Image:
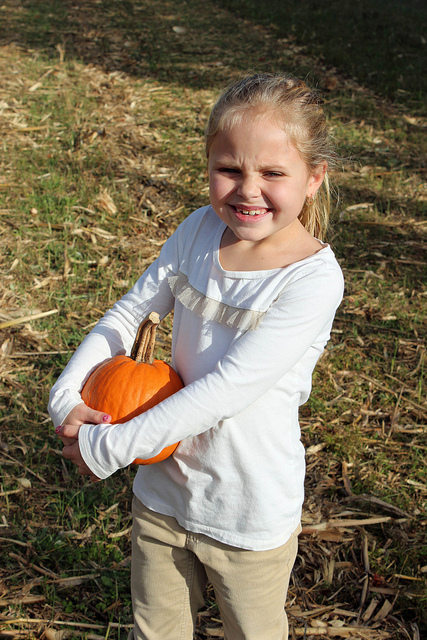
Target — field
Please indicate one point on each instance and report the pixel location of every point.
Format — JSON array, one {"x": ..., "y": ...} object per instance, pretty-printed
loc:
[{"x": 102, "y": 112}]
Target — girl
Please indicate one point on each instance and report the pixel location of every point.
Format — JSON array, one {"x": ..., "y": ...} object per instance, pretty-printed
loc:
[{"x": 254, "y": 292}]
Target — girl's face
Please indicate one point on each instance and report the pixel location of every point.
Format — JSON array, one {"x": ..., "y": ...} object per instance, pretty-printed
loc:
[{"x": 258, "y": 181}]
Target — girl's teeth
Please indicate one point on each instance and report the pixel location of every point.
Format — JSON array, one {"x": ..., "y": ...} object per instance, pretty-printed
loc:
[{"x": 251, "y": 213}]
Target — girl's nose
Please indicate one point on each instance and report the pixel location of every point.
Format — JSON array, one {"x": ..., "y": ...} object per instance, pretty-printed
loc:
[{"x": 249, "y": 187}]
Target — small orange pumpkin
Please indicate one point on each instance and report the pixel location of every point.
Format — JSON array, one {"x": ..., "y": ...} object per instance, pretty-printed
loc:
[{"x": 126, "y": 386}]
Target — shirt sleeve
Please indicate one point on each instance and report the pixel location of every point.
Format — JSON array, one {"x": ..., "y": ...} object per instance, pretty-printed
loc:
[
  {"x": 299, "y": 319},
  {"x": 115, "y": 332}
]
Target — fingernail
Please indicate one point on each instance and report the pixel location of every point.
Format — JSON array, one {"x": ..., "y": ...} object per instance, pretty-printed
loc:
[
  {"x": 106, "y": 418},
  {"x": 58, "y": 428}
]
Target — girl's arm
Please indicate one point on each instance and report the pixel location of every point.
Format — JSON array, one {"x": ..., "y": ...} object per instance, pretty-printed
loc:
[
  {"x": 115, "y": 332},
  {"x": 299, "y": 320}
]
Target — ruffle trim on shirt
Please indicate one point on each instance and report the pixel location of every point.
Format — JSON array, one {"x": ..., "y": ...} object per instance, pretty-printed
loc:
[{"x": 209, "y": 309}]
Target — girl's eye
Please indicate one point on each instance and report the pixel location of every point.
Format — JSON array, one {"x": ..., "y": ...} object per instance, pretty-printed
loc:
[{"x": 274, "y": 174}]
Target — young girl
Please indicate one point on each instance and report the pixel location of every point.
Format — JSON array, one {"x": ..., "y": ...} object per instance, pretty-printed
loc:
[{"x": 254, "y": 292}]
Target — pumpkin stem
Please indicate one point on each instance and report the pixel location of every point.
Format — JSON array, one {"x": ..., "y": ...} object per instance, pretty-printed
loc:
[{"x": 143, "y": 347}]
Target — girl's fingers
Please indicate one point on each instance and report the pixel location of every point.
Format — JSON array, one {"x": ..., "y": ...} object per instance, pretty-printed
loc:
[
  {"x": 82, "y": 414},
  {"x": 97, "y": 417},
  {"x": 68, "y": 431},
  {"x": 72, "y": 452},
  {"x": 67, "y": 441}
]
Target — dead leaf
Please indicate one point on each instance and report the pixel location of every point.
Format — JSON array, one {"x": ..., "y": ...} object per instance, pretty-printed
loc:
[
  {"x": 105, "y": 202},
  {"x": 24, "y": 482}
]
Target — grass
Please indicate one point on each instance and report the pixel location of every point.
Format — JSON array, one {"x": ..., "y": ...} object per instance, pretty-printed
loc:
[
  {"x": 102, "y": 111},
  {"x": 381, "y": 44}
]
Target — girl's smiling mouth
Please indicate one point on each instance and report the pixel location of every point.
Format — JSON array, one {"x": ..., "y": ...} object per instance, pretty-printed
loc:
[{"x": 249, "y": 213}]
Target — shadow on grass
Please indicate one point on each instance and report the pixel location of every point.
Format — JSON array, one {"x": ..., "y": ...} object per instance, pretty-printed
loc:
[
  {"x": 174, "y": 43},
  {"x": 382, "y": 43}
]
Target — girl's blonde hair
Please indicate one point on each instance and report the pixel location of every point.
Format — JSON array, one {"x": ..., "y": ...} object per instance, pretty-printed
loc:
[{"x": 299, "y": 110}]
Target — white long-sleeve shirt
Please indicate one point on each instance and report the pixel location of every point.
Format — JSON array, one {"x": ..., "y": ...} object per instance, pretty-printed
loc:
[{"x": 245, "y": 345}]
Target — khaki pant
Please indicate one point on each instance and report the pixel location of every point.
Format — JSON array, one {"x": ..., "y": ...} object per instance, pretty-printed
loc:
[{"x": 170, "y": 569}]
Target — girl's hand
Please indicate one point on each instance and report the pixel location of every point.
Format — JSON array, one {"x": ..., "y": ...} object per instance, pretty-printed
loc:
[
  {"x": 81, "y": 414},
  {"x": 72, "y": 452},
  {"x": 69, "y": 433}
]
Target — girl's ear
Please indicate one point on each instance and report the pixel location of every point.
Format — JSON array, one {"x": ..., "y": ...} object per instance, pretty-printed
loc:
[{"x": 316, "y": 178}]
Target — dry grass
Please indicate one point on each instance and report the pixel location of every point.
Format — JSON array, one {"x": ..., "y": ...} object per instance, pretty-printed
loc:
[{"x": 102, "y": 157}]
